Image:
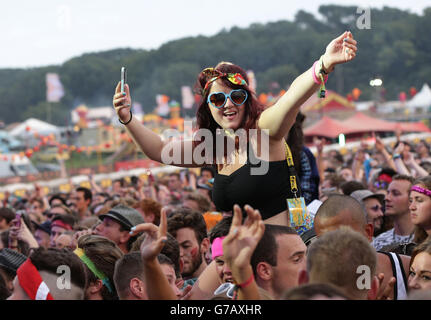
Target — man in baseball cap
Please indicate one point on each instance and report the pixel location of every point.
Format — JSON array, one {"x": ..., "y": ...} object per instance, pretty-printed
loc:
[
  {"x": 116, "y": 225},
  {"x": 373, "y": 204}
]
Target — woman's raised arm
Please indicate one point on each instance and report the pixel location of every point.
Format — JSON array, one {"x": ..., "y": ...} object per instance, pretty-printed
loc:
[
  {"x": 150, "y": 142},
  {"x": 279, "y": 118}
]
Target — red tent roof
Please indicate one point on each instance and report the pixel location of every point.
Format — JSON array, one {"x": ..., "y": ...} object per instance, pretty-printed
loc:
[
  {"x": 332, "y": 102},
  {"x": 413, "y": 126},
  {"x": 363, "y": 123},
  {"x": 327, "y": 127}
]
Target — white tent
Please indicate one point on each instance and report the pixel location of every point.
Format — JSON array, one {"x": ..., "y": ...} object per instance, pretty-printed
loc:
[
  {"x": 35, "y": 125},
  {"x": 422, "y": 99}
]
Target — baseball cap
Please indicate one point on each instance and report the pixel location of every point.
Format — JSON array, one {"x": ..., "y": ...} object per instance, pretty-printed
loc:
[
  {"x": 364, "y": 194},
  {"x": 45, "y": 226},
  {"x": 11, "y": 259},
  {"x": 124, "y": 215}
]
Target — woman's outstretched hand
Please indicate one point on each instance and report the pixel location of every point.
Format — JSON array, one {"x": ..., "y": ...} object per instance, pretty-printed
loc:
[
  {"x": 340, "y": 50},
  {"x": 122, "y": 102}
]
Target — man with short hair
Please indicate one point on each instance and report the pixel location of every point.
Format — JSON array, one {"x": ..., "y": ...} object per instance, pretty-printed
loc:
[
  {"x": 57, "y": 199},
  {"x": 278, "y": 259},
  {"x": 116, "y": 225},
  {"x": 342, "y": 210},
  {"x": 336, "y": 257},
  {"x": 59, "y": 209},
  {"x": 397, "y": 207},
  {"x": 174, "y": 182},
  {"x": 37, "y": 277},
  {"x": 198, "y": 202},
  {"x": 81, "y": 200},
  {"x": 372, "y": 203},
  {"x": 36, "y": 210},
  {"x": 129, "y": 277},
  {"x": 189, "y": 228}
]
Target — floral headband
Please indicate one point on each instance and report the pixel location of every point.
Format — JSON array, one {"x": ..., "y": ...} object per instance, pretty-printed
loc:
[{"x": 213, "y": 74}]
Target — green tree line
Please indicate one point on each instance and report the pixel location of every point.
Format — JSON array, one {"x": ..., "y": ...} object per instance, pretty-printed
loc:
[{"x": 396, "y": 48}]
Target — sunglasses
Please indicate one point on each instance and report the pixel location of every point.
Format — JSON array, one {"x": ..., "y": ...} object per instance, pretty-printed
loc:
[
  {"x": 381, "y": 184},
  {"x": 218, "y": 99},
  {"x": 376, "y": 208},
  {"x": 226, "y": 288}
]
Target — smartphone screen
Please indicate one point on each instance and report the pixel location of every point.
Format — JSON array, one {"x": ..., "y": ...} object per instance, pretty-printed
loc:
[{"x": 123, "y": 78}]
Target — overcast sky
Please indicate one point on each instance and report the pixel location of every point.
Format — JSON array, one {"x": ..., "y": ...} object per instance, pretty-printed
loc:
[{"x": 46, "y": 32}]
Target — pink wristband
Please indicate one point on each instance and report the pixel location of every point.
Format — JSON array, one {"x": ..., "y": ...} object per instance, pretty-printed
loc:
[{"x": 313, "y": 71}]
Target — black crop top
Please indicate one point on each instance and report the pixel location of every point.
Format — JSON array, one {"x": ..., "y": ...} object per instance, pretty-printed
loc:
[{"x": 267, "y": 192}]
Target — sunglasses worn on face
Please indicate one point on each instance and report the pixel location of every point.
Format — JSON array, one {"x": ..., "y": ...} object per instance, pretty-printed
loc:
[
  {"x": 218, "y": 99},
  {"x": 376, "y": 208}
]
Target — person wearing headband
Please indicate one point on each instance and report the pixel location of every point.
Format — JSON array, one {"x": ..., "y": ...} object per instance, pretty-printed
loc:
[
  {"x": 216, "y": 235},
  {"x": 228, "y": 103},
  {"x": 99, "y": 255},
  {"x": 420, "y": 208},
  {"x": 38, "y": 278},
  {"x": 60, "y": 224}
]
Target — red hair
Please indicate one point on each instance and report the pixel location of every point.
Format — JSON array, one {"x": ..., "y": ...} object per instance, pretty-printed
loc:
[{"x": 252, "y": 107}]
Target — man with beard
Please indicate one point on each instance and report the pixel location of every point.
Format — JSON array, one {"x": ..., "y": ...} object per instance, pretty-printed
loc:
[{"x": 189, "y": 228}]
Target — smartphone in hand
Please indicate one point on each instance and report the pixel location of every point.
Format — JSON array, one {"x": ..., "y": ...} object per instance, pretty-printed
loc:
[
  {"x": 18, "y": 219},
  {"x": 123, "y": 78}
]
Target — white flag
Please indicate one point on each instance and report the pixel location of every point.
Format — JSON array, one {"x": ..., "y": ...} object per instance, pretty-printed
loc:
[
  {"x": 187, "y": 96},
  {"x": 54, "y": 88},
  {"x": 162, "y": 105}
]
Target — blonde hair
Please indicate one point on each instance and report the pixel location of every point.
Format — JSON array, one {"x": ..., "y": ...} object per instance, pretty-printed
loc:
[{"x": 334, "y": 258}]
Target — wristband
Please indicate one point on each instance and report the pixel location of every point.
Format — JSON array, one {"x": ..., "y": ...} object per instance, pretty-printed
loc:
[
  {"x": 247, "y": 283},
  {"x": 323, "y": 79},
  {"x": 396, "y": 156},
  {"x": 322, "y": 67},
  {"x": 127, "y": 121}
]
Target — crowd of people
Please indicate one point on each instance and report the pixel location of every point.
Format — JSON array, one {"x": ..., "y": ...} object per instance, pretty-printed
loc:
[{"x": 350, "y": 226}]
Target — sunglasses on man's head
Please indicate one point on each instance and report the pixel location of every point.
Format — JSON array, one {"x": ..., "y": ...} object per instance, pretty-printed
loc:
[{"x": 218, "y": 99}]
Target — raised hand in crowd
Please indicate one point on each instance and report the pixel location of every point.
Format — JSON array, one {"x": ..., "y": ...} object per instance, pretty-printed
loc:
[
  {"x": 238, "y": 247},
  {"x": 380, "y": 147},
  {"x": 158, "y": 287},
  {"x": 410, "y": 162},
  {"x": 385, "y": 292},
  {"x": 20, "y": 231}
]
